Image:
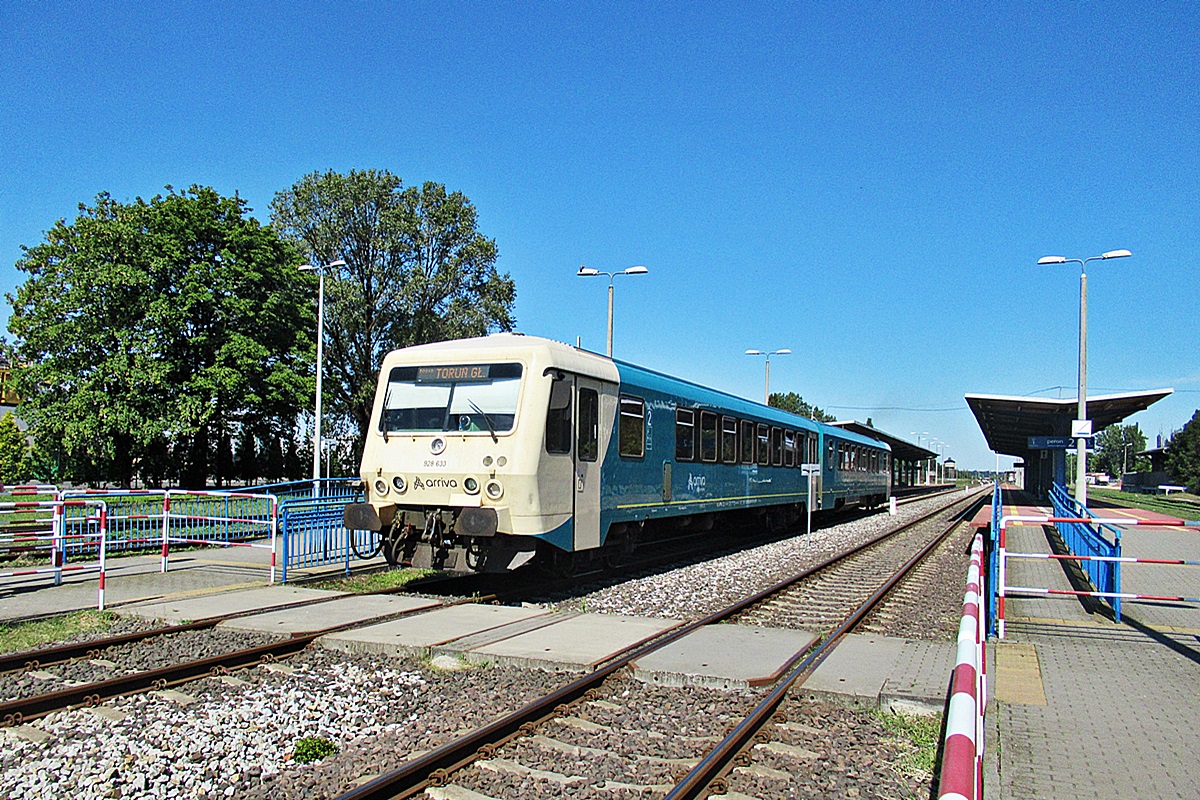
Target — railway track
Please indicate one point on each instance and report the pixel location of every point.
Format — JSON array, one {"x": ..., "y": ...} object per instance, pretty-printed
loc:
[{"x": 537, "y": 750}]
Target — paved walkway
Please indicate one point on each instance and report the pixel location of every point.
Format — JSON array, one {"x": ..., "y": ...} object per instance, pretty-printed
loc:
[
  {"x": 139, "y": 579},
  {"x": 1083, "y": 707}
]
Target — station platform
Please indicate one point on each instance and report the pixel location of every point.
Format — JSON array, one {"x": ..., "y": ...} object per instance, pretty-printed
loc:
[{"x": 1081, "y": 706}]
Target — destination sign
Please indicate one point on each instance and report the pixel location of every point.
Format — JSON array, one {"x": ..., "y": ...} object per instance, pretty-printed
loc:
[{"x": 471, "y": 372}]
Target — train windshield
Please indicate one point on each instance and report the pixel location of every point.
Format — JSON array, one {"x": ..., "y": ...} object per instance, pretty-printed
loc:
[{"x": 462, "y": 397}]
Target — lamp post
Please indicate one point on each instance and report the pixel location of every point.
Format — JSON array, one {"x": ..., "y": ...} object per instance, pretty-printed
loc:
[
  {"x": 924, "y": 461},
  {"x": 1081, "y": 441},
  {"x": 587, "y": 272},
  {"x": 320, "y": 270},
  {"x": 768, "y": 354}
]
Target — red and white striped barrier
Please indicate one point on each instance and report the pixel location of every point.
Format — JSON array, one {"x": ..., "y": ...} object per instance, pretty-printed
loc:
[
  {"x": 962, "y": 754},
  {"x": 1003, "y": 590},
  {"x": 58, "y": 539}
]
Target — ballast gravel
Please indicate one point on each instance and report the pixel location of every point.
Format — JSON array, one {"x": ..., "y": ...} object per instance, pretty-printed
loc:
[
  {"x": 699, "y": 589},
  {"x": 236, "y": 739}
]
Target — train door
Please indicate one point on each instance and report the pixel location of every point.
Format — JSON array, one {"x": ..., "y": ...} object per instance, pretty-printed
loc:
[{"x": 588, "y": 459}]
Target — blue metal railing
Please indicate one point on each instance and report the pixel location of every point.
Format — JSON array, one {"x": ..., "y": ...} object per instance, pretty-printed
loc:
[
  {"x": 993, "y": 557},
  {"x": 311, "y": 530},
  {"x": 1085, "y": 539}
]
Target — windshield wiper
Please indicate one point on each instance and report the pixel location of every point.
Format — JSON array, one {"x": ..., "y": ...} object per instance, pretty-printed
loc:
[{"x": 486, "y": 418}]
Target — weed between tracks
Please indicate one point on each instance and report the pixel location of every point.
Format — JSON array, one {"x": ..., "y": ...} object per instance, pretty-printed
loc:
[
  {"x": 374, "y": 581},
  {"x": 28, "y": 635},
  {"x": 921, "y": 734}
]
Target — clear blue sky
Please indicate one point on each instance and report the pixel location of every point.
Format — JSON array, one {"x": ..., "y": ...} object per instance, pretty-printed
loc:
[{"x": 868, "y": 184}]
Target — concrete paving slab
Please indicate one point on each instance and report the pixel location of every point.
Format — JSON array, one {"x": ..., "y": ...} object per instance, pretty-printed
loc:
[
  {"x": 724, "y": 657},
  {"x": 417, "y": 635},
  {"x": 341, "y": 611},
  {"x": 919, "y": 682},
  {"x": 187, "y": 609},
  {"x": 856, "y": 671},
  {"x": 576, "y": 644}
]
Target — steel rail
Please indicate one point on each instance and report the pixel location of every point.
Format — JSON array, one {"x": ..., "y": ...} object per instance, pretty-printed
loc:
[
  {"x": 434, "y": 767},
  {"x": 91, "y": 694},
  {"x": 708, "y": 773},
  {"x": 15, "y": 712}
]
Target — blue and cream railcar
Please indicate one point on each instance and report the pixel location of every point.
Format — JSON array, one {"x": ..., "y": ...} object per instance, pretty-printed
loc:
[{"x": 484, "y": 452}]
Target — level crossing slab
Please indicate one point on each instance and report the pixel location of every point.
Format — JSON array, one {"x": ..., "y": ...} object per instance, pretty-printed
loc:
[
  {"x": 724, "y": 656},
  {"x": 574, "y": 643},
  {"x": 419, "y": 634},
  {"x": 884, "y": 672},
  {"x": 340, "y": 611},
  {"x": 189, "y": 609}
]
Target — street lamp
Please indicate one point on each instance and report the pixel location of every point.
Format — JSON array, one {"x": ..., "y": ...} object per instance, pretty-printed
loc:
[
  {"x": 320, "y": 270},
  {"x": 768, "y": 354},
  {"x": 587, "y": 272},
  {"x": 1081, "y": 449}
]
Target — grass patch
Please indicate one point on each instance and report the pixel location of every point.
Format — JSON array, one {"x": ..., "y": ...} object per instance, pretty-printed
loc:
[
  {"x": 922, "y": 736},
  {"x": 313, "y": 748},
  {"x": 27, "y": 635},
  {"x": 374, "y": 581}
]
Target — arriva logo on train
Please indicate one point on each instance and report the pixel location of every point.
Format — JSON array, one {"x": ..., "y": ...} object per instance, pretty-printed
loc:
[{"x": 435, "y": 483}]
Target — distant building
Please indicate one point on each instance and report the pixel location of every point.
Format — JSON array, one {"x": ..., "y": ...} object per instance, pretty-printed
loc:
[{"x": 949, "y": 469}]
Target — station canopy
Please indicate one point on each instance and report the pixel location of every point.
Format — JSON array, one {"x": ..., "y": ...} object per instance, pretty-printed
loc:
[
  {"x": 1009, "y": 422},
  {"x": 901, "y": 450}
]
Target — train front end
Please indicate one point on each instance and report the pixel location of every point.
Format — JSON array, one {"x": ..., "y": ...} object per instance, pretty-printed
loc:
[{"x": 451, "y": 464}]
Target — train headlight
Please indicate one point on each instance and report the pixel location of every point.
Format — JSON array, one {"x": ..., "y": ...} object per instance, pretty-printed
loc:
[
  {"x": 494, "y": 490},
  {"x": 381, "y": 487},
  {"x": 399, "y": 483},
  {"x": 471, "y": 486}
]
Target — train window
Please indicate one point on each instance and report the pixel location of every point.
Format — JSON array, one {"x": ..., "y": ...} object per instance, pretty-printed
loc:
[
  {"x": 685, "y": 434},
  {"x": 708, "y": 436},
  {"x": 789, "y": 448},
  {"x": 814, "y": 449},
  {"x": 589, "y": 425},
  {"x": 558, "y": 418},
  {"x": 764, "y": 445},
  {"x": 830, "y": 458},
  {"x": 887, "y": 457},
  {"x": 777, "y": 447},
  {"x": 729, "y": 442},
  {"x": 747, "y": 442},
  {"x": 632, "y": 429},
  {"x": 463, "y": 397},
  {"x": 874, "y": 461}
]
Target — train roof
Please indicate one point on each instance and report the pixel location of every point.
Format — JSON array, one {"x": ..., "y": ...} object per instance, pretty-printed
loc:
[
  {"x": 543, "y": 353},
  {"x": 539, "y": 352},
  {"x": 714, "y": 398}
]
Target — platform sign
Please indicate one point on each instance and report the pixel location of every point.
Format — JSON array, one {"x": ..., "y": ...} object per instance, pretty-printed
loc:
[
  {"x": 1081, "y": 428},
  {"x": 1054, "y": 442},
  {"x": 810, "y": 469}
]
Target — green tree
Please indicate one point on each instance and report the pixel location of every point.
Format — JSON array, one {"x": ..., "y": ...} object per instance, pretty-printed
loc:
[
  {"x": 417, "y": 270},
  {"x": 148, "y": 332},
  {"x": 1183, "y": 455},
  {"x": 14, "y": 452},
  {"x": 1117, "y": 447},
  {"x": 795, "y": 403}
]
